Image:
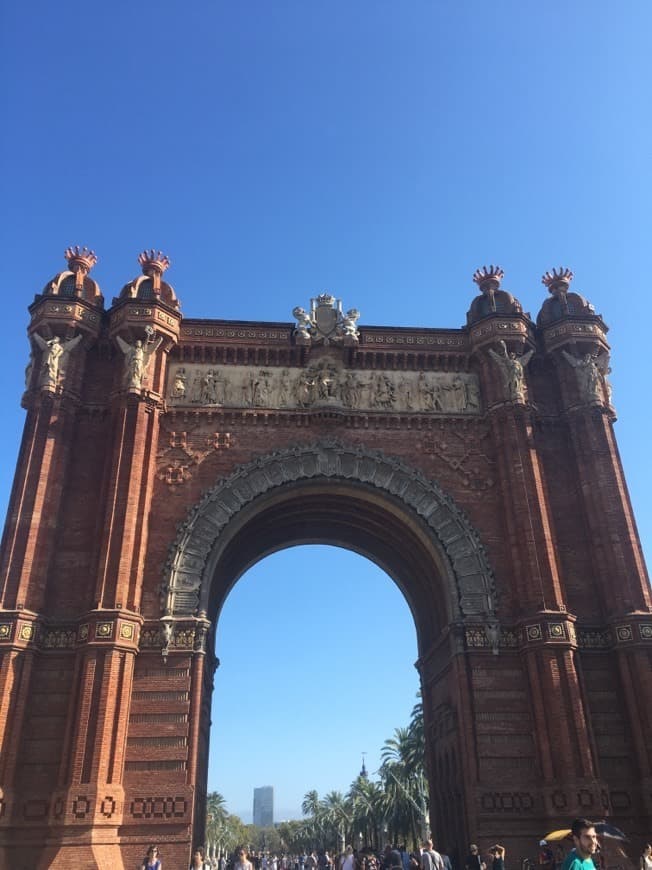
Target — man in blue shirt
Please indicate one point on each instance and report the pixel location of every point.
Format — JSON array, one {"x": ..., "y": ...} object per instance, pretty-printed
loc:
[{"x": 586, "y": 844}]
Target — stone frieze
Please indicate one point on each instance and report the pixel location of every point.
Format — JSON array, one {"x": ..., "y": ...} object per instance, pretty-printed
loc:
[{"x": 322, "y": 384}]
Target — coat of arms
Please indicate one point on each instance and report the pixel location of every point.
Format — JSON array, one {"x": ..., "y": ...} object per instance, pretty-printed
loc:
[{"x": 326, "y": 322}]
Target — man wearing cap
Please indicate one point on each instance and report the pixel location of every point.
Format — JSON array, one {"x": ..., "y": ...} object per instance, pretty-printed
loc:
[{"x": 585, "y": 841}]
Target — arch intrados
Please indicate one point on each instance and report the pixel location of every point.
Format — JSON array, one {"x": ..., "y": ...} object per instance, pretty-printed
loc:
[{"x": 339, "y": 513}]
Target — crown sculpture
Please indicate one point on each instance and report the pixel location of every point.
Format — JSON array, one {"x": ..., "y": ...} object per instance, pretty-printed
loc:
[
  {"x": 488, "y": 279},
  {"x": 80, "y": 262},
  {"x": 154, "y": 263},
  {"x": 557, "y": 281}
]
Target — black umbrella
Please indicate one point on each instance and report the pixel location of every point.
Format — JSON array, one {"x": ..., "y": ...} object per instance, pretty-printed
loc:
[{"x": 606, "y": 830}]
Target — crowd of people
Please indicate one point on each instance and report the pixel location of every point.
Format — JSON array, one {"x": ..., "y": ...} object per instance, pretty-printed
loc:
[{"x": 585, "y": 855}]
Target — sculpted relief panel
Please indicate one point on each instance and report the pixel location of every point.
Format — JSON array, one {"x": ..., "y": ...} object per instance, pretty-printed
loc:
[{"x": 323, "y": 384}]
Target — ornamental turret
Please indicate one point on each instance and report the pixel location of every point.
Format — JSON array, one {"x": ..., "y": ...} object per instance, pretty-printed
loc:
[
  {"x": 574, "y": 336},
  {"x": 145, "y": 316},
  {"x": 69, "y": 309},
  {"x": 502, "y": 337}
]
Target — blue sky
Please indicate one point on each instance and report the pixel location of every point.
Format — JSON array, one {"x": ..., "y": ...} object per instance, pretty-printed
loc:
[{"x": 379, "y": 150}]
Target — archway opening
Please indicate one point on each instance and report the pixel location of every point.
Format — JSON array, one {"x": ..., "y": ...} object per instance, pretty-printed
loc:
[
  {"x": 378, "y": 507},
  {"x": 317, "y": 648}
]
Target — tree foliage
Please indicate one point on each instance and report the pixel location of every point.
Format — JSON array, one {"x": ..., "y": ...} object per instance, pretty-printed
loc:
[{"x": 393, "y": 807}]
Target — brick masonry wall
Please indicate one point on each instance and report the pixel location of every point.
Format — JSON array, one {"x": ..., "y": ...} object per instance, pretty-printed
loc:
[{"x": 117, "y": 742}]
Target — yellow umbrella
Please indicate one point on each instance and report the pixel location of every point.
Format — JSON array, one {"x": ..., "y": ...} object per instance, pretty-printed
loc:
[{"x": 558, "y": 835}]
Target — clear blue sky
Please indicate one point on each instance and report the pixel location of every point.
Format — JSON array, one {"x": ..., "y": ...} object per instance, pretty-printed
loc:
[{"x": 380, "y": 150}]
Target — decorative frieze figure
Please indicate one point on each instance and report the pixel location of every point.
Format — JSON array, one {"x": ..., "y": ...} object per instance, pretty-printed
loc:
[
  {"x": 512, "y": 370},
  {"x": 53, "y": 353}
]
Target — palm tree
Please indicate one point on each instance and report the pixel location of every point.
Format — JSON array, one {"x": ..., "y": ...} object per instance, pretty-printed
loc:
[
  {"x": 338, "y": 815},
  {"x": 216, "y": 818},
  {"x": 312, "y": 807},
  {"x": 310, "y": 803},
  {"x": 368, "y": 810},
  {"x": 403, "y": 773}
]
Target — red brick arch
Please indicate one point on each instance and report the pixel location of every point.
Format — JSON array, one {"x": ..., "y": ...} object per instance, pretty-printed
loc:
[
  {"x": 321, "y": 476},
  {"x": 530, "y": 720}
]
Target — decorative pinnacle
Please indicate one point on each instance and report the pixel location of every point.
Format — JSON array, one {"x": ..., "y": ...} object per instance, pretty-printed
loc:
[
  {"x": 557, "y": 281},
  {"x": 80, "y": 259},
  {"x": 153, "y": 262},
  {"x": 488, "y": 279}
]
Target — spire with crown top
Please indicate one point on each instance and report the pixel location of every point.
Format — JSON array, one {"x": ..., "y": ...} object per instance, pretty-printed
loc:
[{"x": 153, "y": 264}]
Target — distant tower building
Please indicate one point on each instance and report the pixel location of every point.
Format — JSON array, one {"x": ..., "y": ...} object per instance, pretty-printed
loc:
[{"x": 264, "y": 806}]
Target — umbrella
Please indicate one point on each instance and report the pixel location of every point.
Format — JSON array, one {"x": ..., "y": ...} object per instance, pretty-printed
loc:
[
  {"x": 609, "y": 831},
  {"x": 553, "y": 836}
]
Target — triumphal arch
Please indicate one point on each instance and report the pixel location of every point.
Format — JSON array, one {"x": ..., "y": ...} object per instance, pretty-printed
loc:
[{"x": 163, "y": 456}]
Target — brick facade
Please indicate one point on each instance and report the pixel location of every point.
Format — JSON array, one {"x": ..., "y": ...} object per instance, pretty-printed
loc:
[{"x": 151, "y": 475}]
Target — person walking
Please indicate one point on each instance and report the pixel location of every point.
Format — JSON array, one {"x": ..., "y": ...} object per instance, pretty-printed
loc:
[
  {"x": 646, "y": 858},
  {"x": 152, "y": 860},
  {"x": 198, "y": 862},
  {"x": 241, "y": 862},
  {"x": 585, "y": 841}
]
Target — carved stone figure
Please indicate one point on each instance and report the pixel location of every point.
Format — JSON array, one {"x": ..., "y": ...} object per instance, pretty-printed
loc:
[
  {"x": 326, "y": 377},
  {"x": 304, "y": 323},
  {"x": 350, "y": 391},
  {"x": 405, "y": 390},
  {"x": 264, "y": 390},
  {"x": 137, "y": 360},
  {"x": 28, "y": 371},
  {"x": 458, "y": 394},
  {"x": 422, "y": 393},
  {"x": 349, "y": 326},
  {"x": 179, "y": 384},
  {"x": 512, "y": 369},
  {"x": 492, "y": 629},
  {"x": 221, "y": 386},
  {"x": 283, "y": 392},
  {"x": 591, "y": 371},
  {"x": 384, "y": 395},
  {"x": 52, "y": 358},
  {"x": 305, "y": 390},
  {"x": 206, "y": 393},
  {"x": 472, "y": 395},
  {"x": 326, "y": 322}
]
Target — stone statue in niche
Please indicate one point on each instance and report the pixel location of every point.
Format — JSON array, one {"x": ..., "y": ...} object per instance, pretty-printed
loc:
[
  {"x": 591, "y": 372},
  {"x": 512, "y": 369},
  {"x": 53, "y": 358},
  {"x": 137, "y": 357}
]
